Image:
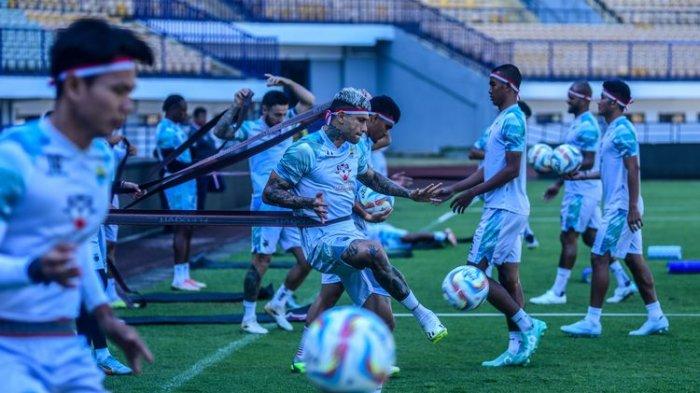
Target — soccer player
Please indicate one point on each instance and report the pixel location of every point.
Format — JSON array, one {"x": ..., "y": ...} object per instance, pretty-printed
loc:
[
  {"x": 497, "y": 239},
  {"x": 317, "y": 176},
  {"x": 203, "y": 148},
  {"x": 54, "y": 194},
  {"x": 620, "y": 234},
  {"x": 580, "y": 207},
  {"x": 476, "y": 152},
  {"x": 275, "y": 109}
]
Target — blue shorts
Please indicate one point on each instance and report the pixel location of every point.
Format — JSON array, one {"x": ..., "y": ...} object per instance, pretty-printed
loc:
[
  {"x": 48, "y": 364},
  {"x": 182, "y": 196}
]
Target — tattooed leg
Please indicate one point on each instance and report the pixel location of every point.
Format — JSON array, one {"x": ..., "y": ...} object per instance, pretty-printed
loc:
[
  {"x": 369, "y": 254},
  {"x": 251, "y": 282}
]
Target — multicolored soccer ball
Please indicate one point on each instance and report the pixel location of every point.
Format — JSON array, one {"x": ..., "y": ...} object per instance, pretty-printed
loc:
[
  {"x": 566, "y": 159},
  {"x": 539, "y": 156},
  {"x": 348, "y": 349},
  {"x": 374, "y": 202},
  {"x": 465, "y": 287}
]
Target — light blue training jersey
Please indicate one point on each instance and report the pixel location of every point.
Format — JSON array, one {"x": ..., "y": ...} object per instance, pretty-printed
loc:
[
  {"x": 618, "y": 143},
  {"x": 51, "y": 192},
  {"x": 262, "y": 164},
  {"x": 506, "y": 134},
  {"x": 584, "y": 133},
  {"x": 170, "y": 135},
  {"x": 314, "y": 164}
]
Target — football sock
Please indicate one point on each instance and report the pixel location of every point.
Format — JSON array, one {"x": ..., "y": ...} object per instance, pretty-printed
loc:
[
  {"x": 249, "y": 311},
  {"x": 523, "y": 320},
  {"x": 418, "y": 311},
  {"x": 593, "y": 314},
  {"x": 514, "y": 340},
  {"x": 621, "y": 276},
  {"x": 179, "y": 273},
  {"x": 281, "y": 296},
  {"x": 654, "y": 310},
  {"x": 111, "y": 290},
  {"x": 300, "y": 350},
  {"x": 186, "y": 270},
  {"x": 560, "y": 281}
]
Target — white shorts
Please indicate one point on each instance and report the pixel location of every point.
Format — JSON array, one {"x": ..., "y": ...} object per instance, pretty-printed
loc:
[
  {"x": 48, "y": 364},
  {"x": 183, "y": 196},
  {"x": 329, "y": 278},
  {"x": 264, "y": 240},
  {"x": 97, "y": 249},
  {"x": 615, "y": 236},
  {"x": 111, "y": 233},
  {"x": 324, "y": 247},
  {"x": 579, "y": 212},
  {"x": 498, "y": 237}
]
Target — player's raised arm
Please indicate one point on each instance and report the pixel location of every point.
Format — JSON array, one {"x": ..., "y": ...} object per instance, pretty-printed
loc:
[
  {"x": 223, "y": 129},
  {"x": 306, "y": 98}
]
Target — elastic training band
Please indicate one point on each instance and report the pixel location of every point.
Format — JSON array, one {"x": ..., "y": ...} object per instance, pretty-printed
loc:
[
  {"x": 505, "y": 80},
  {"x": 83, "y": 71},
  {"x": 579, "y": 95},
  {"x": 624, "y": 105}
]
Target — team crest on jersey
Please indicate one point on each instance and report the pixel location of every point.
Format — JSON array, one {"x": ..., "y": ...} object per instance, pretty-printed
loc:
[
  {"x": 55, "y": 162},
  {"x": 101, "y": 174},
  {"x": 344, "y": 171},
  {"x": 79, "y": 208}
]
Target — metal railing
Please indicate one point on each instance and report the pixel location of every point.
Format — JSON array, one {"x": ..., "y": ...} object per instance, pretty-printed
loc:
[{"x": 647, "y": 133}]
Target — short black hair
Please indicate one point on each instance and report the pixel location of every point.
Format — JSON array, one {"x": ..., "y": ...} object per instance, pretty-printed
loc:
[
  {"x": 274, "y": 97},
  {"x": 510, "y": 72},
  {"x": 619, "y": 89},
  {"x": 525, "y": 108},
  {"x": 386, "y": 106},
  {"x": 171, "y": 101},
  {"x": 582, "y": 87},
  {"x": 198, "y": 111},
  {"x": 94, "y": 41}
]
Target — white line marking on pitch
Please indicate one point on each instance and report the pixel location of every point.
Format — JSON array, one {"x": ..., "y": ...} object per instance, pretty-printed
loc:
[
  {"x": 553, "y": 314},
  {"x": 204, "y": 363}
]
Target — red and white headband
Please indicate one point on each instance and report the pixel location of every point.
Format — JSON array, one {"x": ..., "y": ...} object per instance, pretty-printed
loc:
[
  {"x": 624, "y": 105},
  {"x": 385, "y": 118},
  {"x": 87, "y": 70},
  {"x": 506, "y": 81},
  {"x": 579, "y": 95},
  {"x": 350, "y": 111}
]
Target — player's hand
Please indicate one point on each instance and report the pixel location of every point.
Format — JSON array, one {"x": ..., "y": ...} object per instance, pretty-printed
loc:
[
  {"x": 58, "y": 265},
  {"x": 634, "y": 219},
  {"x": 378, "y": 217},
  {"x": 133, "y": 150},
  {"x": 320, "y": 208},
  {"x": 575, "y": 175},
  {"x": 114, "y": 139},
  {"x": 274, "y": 80},
  {"x": 551, "y": 192},
  {"x": 401, "y": 179},
  {"x": 462, "y": 201},
  {"x": 134, "y": 189},
  {"x": 443, "y": 194},
  {"x": 241, "y": 96},
  {"x": 426, "y": 194},
  {"x": 125, "y": 337}
]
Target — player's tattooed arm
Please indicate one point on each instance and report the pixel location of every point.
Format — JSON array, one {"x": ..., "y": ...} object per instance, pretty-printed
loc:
[
  {"x": 386, "y": 186},
  {"x": 278, "y": 192},
  {"x": 223, "y": 128}
]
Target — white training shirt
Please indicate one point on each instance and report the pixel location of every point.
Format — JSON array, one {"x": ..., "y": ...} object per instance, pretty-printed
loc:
[
  {"x": 618, "y": 143},
  {"x": 51, "y": 192},
  {"x": 584, "y": 133}
]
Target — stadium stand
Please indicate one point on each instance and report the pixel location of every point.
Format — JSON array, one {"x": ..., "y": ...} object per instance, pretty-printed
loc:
[
  {"x": 656, "y": 11},
  {"x": 483, "y": 11}
]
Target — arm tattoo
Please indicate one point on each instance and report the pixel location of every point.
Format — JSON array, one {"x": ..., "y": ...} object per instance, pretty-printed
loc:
[
  {"x": 277, "y": 193},
  {"x": 223, "y": 129},
  {"x": 382, "y": 184}
]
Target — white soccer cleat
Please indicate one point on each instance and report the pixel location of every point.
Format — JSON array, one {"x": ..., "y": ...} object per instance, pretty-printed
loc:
[
  {"x": 583, "y": 328},
  {"x": 622, "y": 293},
  {"x": 433, "y": 328},
  {"x": 531, "y": 243},
  {"x": 280, "y": 316},
  {"x": 657, "y": 326},
  {"x": 184, "y": 286},
  {"x": 196, "y": 283},
  {"x": 253, "y": 327},
  {"x": 549, "y": 297}
]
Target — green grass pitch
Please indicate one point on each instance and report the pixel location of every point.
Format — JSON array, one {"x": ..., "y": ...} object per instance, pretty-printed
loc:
[{"x": 221, "y": 359}]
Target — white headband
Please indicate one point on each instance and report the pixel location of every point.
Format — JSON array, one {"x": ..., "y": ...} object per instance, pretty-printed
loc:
[
  {"x": 579, "y": 95},
  {"x": 329, "y": 114},
  {"x": 506, "y": 81},
  {"x": 119, "y": 64},
  {"x": 624, "y": 105},
  {"x": 385, "y": 118}
]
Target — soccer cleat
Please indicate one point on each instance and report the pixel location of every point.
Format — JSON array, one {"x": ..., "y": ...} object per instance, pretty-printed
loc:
[
  {"x": 531, "y": 338},
  {"x": 433, "y": 328},
  {"x": 253, "y": 327},
  {"x": 622, "y": 293},
  {"x": 549, "y": 297},
  {"x": 531, "y": 242},
  {"x": 508, "y": 359},
  {"x": 111, "y": 366},
  {"x": 118, "y": 304},
  {"x": 184, "y": 286},
  {"x": 292, "y": 303},
  {"x": 658, "y": 326},
  {"x": 298, "y": 367},
  {"x": 450, "y": 237},
  {"x": 278, "y": 313},
  {"x": 196, "y": 283},
  {"x": 394, "y": 372},
  {"x": 583, "y": 328}
]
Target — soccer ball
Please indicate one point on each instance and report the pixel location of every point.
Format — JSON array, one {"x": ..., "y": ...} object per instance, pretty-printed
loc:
[
  {"x": 348, "y": 349},
  {"x": 566, "y": 159},
  {"x": 465, "y": 287},
  {"x": 539, "y": 157},
  {"x": 374, "y": 202}
]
